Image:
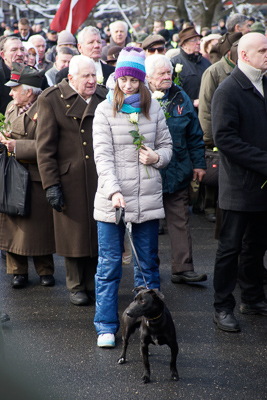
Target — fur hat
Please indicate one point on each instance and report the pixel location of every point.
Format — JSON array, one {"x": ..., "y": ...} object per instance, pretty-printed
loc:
[{"x": 131, "y": 62}]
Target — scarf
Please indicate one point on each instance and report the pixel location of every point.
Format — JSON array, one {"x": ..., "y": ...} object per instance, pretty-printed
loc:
[{"x": 131, "y": 104}]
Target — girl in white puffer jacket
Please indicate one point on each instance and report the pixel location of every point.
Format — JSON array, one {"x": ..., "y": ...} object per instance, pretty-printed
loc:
[{"x": 127, "y": 178}]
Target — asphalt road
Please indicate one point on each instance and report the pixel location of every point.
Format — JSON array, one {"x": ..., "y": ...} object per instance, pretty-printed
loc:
[{"x": 50, "y": 344}]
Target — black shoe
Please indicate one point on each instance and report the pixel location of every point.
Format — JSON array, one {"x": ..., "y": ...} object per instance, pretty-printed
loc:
[
  {"x": 4, "y": 317},
  {"x": 19, "y": 280},
  {"x": 188, "y": 276},
  {"x": 211, "y": 217},
  {"x": 79, "y": 298},
  {"x": 258, "y": 308},
  {"x": 226, "y": 321},
  {"x": 91, "y": 295},
  {"x": 47, "y": 280}
]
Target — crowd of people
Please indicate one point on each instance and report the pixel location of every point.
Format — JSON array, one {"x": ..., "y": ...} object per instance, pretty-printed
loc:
[{"x": 107, "y": 120}]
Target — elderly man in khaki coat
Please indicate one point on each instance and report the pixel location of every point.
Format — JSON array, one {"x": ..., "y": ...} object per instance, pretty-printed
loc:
[
  {"x": 32, "y": 235},
  {"x": 68, "y": 173}
]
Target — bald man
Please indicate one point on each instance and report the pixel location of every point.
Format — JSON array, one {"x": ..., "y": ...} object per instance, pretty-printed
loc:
[{"x": 239, "y": 125}]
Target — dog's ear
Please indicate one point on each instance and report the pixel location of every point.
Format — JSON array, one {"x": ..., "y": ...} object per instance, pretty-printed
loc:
[{"x": 138, "y": 289}]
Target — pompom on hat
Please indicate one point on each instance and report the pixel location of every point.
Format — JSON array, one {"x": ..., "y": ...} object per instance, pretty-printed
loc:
[{"x": 131, "y": 62}]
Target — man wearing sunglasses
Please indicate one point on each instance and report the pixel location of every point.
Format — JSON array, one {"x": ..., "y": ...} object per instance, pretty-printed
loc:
[
  {"x": 154, "y": 44},
  {"x": 193, "y": 63}
]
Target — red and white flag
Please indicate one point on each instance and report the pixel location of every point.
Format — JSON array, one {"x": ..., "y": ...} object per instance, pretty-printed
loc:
[{"x": 71, "y": 14}]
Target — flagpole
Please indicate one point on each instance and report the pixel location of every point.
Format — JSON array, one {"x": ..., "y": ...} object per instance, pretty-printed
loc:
[{"x": 124, "y": 16}]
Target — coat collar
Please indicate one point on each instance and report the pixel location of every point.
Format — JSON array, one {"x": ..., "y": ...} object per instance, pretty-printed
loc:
[
  {"x": 77, "y": 106},
  {"x": 246, "y": 83}
]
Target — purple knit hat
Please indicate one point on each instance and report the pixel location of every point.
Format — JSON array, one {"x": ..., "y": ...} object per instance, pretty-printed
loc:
[{"x": 131, "y": 62}]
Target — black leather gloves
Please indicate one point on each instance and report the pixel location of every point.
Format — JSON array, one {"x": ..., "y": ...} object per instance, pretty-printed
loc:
[{"x": 54, "y": 197}]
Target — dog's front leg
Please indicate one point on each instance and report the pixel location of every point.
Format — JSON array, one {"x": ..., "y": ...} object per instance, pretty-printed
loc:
[
  {"x": 144, "y": 351},
  {"x": 174, "y": 352}
]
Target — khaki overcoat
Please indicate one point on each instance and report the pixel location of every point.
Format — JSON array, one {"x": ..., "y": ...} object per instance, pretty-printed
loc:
[
  {"x": 32, "y": 235},
  {"x": 65, "y": 156}
]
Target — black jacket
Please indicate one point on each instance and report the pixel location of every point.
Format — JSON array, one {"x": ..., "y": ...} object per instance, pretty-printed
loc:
[
  {"x": 190, "y": 76},
  {"x": 4, "y": 90},
  {"x": 106, "y": 69},
  {"x": 239, "y": 126}
]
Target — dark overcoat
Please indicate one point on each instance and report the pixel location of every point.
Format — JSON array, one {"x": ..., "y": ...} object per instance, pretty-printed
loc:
[
  {"x": 65, "y": 156},
  {"x": 239, "y": 126},
  {"x": 32, "y": 235}
]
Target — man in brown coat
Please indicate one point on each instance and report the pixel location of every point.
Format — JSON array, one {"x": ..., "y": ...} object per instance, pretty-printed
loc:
[
  {"x": 32, "y": 235},
  {"x": 68, "y": 172}
]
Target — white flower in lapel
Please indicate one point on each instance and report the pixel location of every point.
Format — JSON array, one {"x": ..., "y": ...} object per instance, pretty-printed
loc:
[{"x": 100, "y": 79}]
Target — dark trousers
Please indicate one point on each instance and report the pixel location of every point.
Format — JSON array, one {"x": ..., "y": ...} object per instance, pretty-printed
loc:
[
  {"x": 17, "y": 264},
  {"x": 242, "y": 234},
  {"x": 80, "y": 273},
  {"x": 177, "y": 219}
]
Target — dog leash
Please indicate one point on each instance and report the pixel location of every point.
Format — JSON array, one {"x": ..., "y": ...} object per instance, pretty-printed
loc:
[{"x": 120, "y": 216}]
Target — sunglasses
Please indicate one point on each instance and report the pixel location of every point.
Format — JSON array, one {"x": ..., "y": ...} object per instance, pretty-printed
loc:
[{"x": 152, "y": 50}]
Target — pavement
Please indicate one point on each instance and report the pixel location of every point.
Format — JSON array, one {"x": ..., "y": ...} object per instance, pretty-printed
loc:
[{"x": 51, "y": 353}]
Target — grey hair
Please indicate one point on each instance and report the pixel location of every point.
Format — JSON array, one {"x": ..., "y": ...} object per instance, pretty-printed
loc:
[
  {"x": 31, "y": 38},
  {"x": 65, "y": 50},
  {"x": 112, "y": 26},
  {"x": 156, "y": 61},
  {"x": 76, "y": 62},
  {"x": 235, "y": 19},
  {"x": 9, "y": 39},
  {"x": 36, "y": 91},
  {"x": 88, "y": 30}
]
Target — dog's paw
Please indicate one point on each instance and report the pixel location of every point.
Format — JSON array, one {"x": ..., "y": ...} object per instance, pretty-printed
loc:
[
  {"x": 174, "y": 376},
  {"x": 121, "y": 360},
  {"x": 145, "y": 378}
]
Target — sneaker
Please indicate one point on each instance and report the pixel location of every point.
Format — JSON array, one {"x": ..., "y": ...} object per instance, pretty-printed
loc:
[{"x": 106, "y": 340}]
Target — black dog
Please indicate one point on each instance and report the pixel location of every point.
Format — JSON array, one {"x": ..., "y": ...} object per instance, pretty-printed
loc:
[{"x": 149, "y": 312}]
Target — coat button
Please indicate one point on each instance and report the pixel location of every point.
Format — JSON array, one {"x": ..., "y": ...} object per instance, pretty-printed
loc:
[
  {"x": 82, "y": 130},
  {"x": 84, "y": 143},
  {"x": 68, "y": 106},
  {"x": 74, "y": 118},
  {"x": 61, "y": 96},
  {"x": 86, "y": 157},
  {"x": 26, "y": 133}
]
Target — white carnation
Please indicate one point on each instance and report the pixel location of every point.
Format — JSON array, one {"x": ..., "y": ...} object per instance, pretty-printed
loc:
[{"x": 100, "y": 79}]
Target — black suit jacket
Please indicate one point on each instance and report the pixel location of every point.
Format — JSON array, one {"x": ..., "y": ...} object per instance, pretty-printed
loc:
[{"x": 106, "y": 69}]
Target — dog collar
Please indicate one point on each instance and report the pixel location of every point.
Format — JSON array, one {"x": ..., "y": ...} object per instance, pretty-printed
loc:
[{"x": 151, "y": 319}]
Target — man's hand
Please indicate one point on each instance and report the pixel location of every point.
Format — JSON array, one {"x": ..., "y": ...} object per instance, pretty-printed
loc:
[
  {"x": 54, "y": 197},
  {"x": 147, "y": 156},
  {"x": 198, "y": 173},
  {"x": 118, "y": 200}
]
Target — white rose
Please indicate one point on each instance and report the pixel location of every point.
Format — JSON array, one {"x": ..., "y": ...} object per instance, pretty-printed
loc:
[
  {"x": 133, "y": 118},
  {"x": 178, "y": 68},
  {"x": 157, "y": 95},
  {"x": 100, "y": 79}
]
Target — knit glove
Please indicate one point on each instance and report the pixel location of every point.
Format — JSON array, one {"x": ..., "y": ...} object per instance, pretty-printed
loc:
[{"x": 54, "y": 197}]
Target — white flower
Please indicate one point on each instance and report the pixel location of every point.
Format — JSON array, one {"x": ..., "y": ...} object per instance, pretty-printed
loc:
[
  {"x": 157, "y": 95},
  {"x": 178, "y": 68},
  {"x": 100, "y": 79},
  {"x": 133, "y": 118}
]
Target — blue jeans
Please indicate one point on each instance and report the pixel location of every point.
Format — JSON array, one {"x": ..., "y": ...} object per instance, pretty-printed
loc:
[{"x": 109, "y": 269}]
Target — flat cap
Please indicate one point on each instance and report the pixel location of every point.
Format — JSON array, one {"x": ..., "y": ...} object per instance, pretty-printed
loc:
[{"x": 152, "y": 40}]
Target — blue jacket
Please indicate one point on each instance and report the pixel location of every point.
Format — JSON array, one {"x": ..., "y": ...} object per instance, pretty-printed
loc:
[{"x": 188, "y": 144}]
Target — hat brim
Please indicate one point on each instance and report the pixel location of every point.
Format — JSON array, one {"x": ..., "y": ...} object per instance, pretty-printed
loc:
[
  {"x": 190, "y": 37},
  {"x": 12, "y": 84}
]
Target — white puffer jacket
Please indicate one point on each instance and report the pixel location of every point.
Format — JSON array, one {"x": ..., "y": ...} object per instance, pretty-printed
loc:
[{"x": 118, "y": 166}]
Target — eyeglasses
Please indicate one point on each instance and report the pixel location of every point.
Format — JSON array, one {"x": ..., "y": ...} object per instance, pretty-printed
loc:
[
  {"x": 152, "y": 50},
  {"x": 197, "y": 39}
]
